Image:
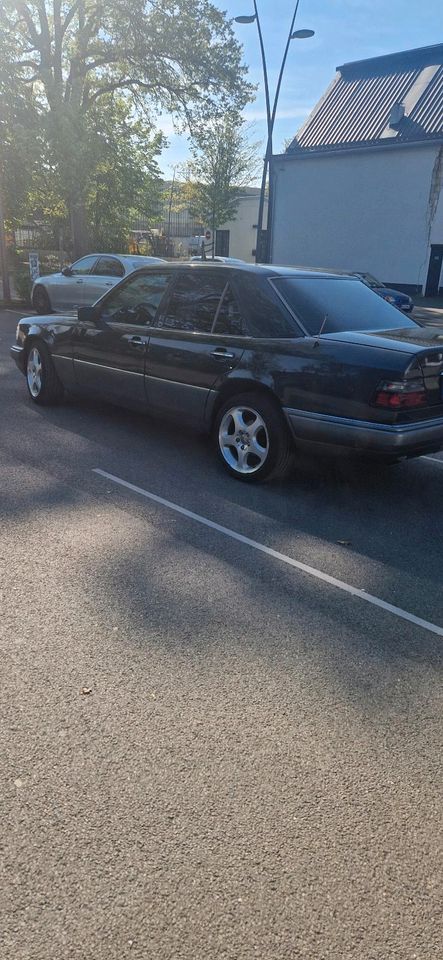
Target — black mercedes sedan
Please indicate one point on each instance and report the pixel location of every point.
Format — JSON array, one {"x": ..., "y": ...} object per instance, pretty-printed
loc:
[{"x": 260, "y": 357}]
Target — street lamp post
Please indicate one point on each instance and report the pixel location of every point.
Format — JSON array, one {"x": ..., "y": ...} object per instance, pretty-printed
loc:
[{"x": 262, "y": 249}]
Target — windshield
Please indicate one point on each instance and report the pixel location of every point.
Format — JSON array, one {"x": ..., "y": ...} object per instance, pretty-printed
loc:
[{"x": 338, "y": 304}]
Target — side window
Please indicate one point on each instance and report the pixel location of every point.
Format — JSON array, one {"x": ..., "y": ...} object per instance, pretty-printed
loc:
[
  {"x": 194, "y": 301},
  {"x": 229, "y": 320},
  {"x": 136, "y": 301},
  {"x": 108, "y": 267},
  {"x": 267, "y": 317},
  {"x": 85, "y": 265}
]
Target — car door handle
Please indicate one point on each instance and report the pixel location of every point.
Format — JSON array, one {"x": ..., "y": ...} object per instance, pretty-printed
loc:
[
  {"x": 221, "y": 354},
  {"x": 136, "y": 342},
  {"x": 79, "y": 281},
  {"x": 109, "y": 284}
]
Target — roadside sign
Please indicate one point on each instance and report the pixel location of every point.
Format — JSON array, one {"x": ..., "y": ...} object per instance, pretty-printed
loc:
[
  {"x": 34, "y": 266},
  {"x": 208, "y": 235}
]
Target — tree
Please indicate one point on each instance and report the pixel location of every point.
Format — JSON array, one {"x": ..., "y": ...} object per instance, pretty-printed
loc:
[
  {"x": 223, "y": 163},
  {"x": 180, "y": 56},
  {"x": 18, "y": 130},
  {"x": 125, "y": 179}
]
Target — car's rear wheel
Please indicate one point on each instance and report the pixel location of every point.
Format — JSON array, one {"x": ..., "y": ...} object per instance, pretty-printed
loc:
[
  {"x": 41, "y": 301},
  {"x": 43, "y": 383},
  {"x": 252, "y": 439}
]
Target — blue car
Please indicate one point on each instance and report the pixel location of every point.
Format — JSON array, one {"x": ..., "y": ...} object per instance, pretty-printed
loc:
[{"x": 398, "y": 299}]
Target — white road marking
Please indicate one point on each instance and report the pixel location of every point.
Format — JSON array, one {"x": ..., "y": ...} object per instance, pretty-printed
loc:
[
  {"x": 434, "y": 460},
  {"x": 303, "y": 567}
]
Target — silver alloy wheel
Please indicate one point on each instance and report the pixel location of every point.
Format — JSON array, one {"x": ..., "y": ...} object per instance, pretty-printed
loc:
[
  {"x": 34, "y": 372},
  {"x": 243, "y": 439}
]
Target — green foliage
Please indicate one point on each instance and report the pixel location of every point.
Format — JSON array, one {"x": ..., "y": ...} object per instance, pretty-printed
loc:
[
  {"x": 125, "y": 178},
  {"x": 23, "y": 284},
  {"x": 223, "y": 163},
  {"x": 70, "y": 65},
  {"x": 17, "y": 133}
]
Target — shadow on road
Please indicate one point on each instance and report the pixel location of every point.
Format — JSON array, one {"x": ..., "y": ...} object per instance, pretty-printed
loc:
[{"x": 178, "y": 598}]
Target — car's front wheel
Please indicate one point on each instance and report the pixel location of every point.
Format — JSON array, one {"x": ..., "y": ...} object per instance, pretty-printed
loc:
[
  {"x": 41, "y": 377},
  {"x": 40, "y": 300},
  {"x": 252, "y": 439}
]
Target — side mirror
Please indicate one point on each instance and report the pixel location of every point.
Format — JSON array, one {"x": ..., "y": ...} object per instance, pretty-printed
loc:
[
  {"x": 88, "y": 315},
  {"x": 67, "y": 272}
]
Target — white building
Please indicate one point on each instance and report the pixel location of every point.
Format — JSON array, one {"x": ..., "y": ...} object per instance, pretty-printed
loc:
[
  {"x": 360, "y": 187},
  {"x": 239, "y": 237}
]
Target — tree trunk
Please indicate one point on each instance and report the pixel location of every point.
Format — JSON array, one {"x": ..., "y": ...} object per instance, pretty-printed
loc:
[{"x": 79, "y": 228}]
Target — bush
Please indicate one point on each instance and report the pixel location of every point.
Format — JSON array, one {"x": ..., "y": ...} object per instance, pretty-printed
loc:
[{"x": 23, "y": 285}]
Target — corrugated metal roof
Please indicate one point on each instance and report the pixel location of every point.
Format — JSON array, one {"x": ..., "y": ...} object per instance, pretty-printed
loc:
[
  {"x": 428, "y": 112},
  {"x": 356, "y": 109}
]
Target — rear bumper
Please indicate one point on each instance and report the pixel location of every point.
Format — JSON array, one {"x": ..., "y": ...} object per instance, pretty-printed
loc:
[
  {"x": 18, "y": 354},
  {"x": 363, "y": 435}
]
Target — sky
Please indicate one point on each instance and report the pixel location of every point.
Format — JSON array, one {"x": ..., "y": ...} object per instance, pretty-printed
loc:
[{"x": 344, "y": 30}]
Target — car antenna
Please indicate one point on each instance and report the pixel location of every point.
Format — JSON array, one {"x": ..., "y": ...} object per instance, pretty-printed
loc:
[{"x": 317, "y": 339}]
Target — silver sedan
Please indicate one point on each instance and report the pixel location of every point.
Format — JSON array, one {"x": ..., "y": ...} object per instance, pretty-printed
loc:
[{"x": 81, "y": 284}]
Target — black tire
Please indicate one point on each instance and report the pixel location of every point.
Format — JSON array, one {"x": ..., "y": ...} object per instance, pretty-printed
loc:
[
  {"x": 273, "y": 437},
  {"x": 44, "y": 387},
  {"x": 40, "y": 300}
]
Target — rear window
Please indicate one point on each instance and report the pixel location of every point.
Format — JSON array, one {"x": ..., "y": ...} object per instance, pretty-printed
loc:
[{"x": 336, "y": 305}]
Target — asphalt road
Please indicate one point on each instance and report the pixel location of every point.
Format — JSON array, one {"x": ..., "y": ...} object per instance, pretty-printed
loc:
[{"x": 207, "y": 753}]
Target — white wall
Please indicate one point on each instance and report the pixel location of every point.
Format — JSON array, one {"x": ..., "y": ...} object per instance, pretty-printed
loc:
[
  {"x": 242, "y": 236},
  {"x": 357, "y": 211}
]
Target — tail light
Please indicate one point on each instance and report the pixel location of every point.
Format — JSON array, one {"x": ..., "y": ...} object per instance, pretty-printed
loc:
[{"x": 401, "y": 395}]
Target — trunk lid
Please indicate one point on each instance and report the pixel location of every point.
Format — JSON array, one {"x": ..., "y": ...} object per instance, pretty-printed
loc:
[
  {"x": 405, "y": 339},
  {"x": 423, "y": 350}
]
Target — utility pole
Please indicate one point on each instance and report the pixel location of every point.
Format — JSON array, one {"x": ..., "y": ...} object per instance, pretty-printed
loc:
[{"x": 263, "y": 236}]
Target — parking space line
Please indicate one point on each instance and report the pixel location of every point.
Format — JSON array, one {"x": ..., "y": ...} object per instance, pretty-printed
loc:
[
  {"x": 434, "y": 460},
  {"x": 297, "y": 564}
]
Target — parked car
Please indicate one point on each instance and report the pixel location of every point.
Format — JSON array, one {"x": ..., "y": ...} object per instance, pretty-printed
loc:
[
  {"x": 84, "y": 281},
  {"x": 398, "y": 299},
  {"x": 259, "y": 356}
]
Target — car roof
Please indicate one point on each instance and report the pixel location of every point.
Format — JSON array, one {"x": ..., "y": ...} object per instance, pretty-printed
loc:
[
  {"x": 218, "y": 259},
  {"x": 130, "y": 257},
  {"x": 135, "y": 256},
  {"x": 259, "y": 269}
]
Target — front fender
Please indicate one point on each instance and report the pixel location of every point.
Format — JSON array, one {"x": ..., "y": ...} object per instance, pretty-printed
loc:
[{"x": 56, "y": 333}]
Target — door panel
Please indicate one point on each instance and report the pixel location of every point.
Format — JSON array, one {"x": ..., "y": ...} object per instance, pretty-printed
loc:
[
  {"x": 222, "y": 243},
  {"x": 106, "y": 273},
  {"x": 181, "y": 369},
  {"x": 110, "y": 361},
  {"x": 109, "y": 355},
  {"x": 434, "y": 271},
  {"x": 95, "y": 286},
  {"x": 185, "y": 360},
  {"x": 67, "y": 293}
]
